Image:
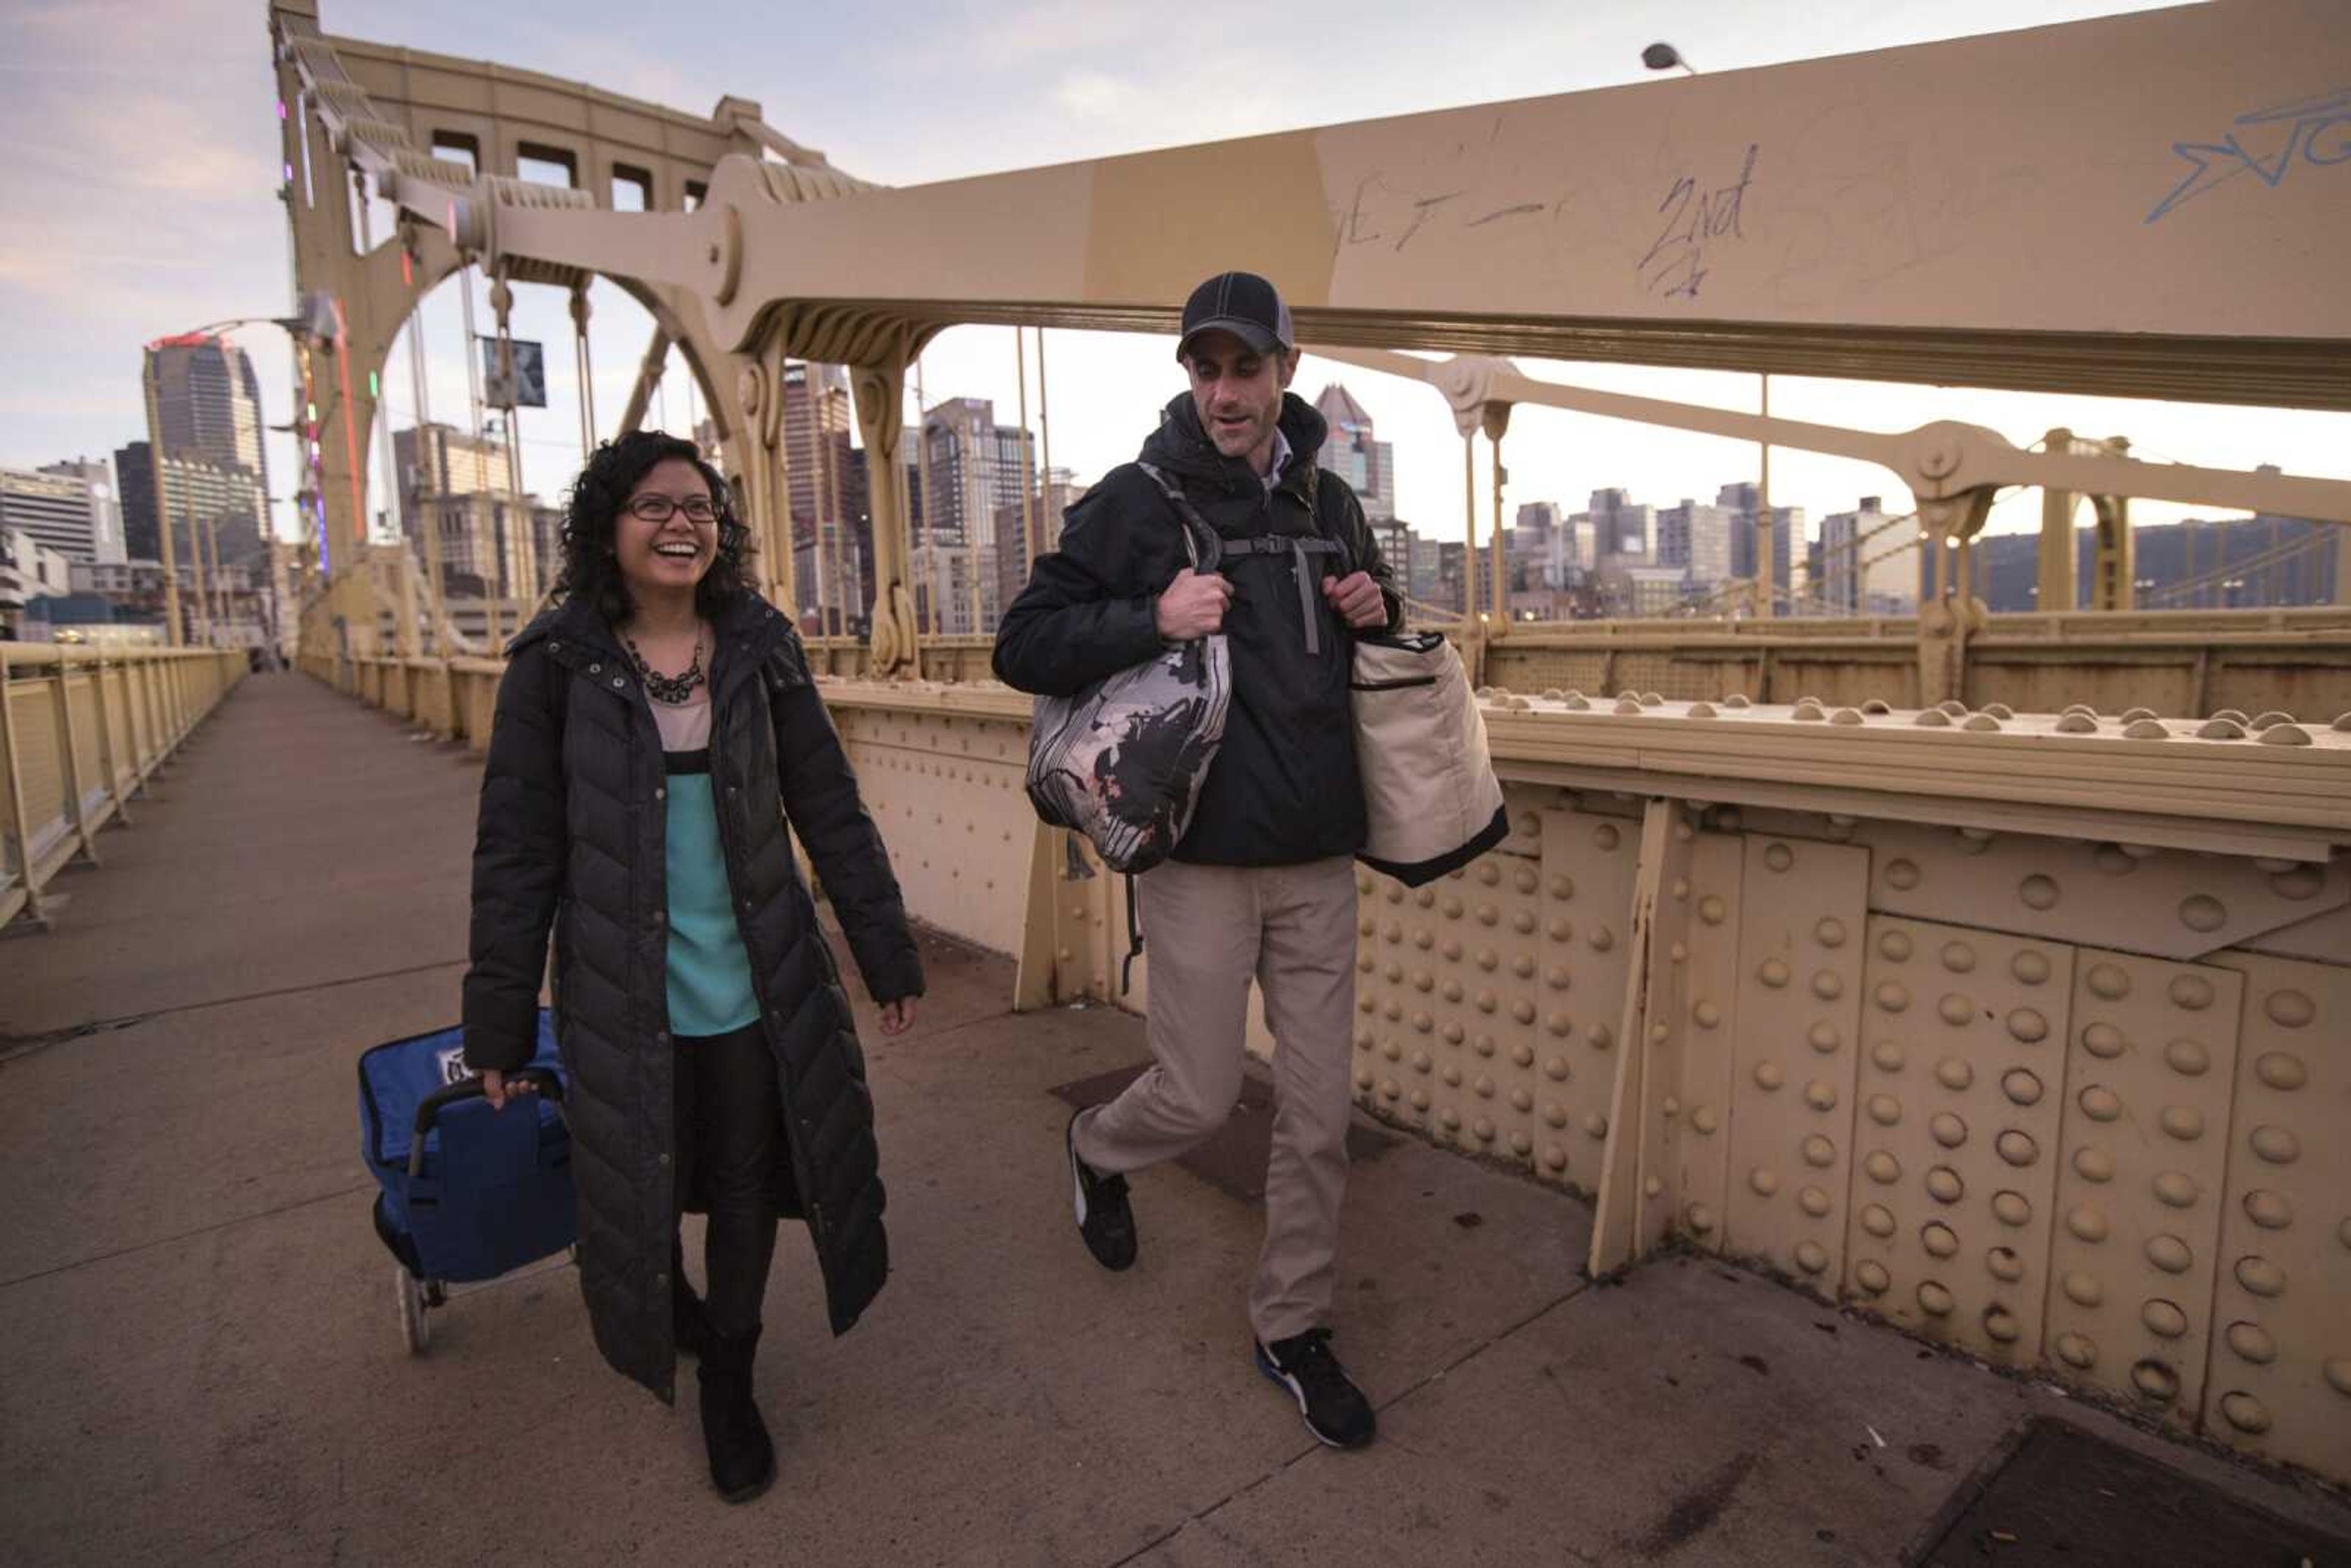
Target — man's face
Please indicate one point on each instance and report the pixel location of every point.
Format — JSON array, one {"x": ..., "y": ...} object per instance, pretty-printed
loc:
[{"x": 1237, "y": 392}]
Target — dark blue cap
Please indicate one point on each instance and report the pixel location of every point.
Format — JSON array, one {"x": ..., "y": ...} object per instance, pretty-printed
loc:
[{"x": 1243, "y": 304}]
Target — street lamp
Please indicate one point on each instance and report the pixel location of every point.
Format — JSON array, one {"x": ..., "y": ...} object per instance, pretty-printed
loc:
[{"x": 1663, "y": 57}]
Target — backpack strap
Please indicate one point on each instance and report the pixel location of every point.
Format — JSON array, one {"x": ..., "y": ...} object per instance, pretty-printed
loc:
[
  {"x": 1314, "y": 510},
  {"x": 1298, "y": 547},
  {"x": 1134, "y": 934},
  {"x": 1188, "y": 522}
]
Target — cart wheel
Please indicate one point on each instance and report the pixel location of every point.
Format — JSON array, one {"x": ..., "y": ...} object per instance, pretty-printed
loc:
[{"x": 413, "y": 1326}]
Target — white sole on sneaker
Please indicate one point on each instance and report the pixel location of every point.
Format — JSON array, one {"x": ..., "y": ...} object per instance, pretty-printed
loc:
[{"x": 1275, "y": 1375}]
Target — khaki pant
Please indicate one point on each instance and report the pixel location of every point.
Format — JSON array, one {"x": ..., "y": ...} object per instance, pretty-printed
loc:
[{"x": 1207, "y": 930}]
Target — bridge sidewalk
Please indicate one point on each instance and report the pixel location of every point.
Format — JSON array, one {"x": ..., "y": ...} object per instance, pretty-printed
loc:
[{"x": 200, "y": 1358}]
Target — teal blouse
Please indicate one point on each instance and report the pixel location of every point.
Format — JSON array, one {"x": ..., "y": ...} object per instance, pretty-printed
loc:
[{"x": 710, "y": 973}]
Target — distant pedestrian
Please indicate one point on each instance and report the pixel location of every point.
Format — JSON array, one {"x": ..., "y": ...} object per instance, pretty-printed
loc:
[
  {"x": 1262, "y": 884},
  {"x": 654, "y": 731}
]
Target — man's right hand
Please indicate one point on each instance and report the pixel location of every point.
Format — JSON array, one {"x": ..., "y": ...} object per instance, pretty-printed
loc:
[{"x": 1193, "y": 606}]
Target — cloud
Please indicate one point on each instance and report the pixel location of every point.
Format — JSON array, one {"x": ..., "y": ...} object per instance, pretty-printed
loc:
[
  {"x": 1090, "y": 94},
  {"x": 1015, "y": 38}
]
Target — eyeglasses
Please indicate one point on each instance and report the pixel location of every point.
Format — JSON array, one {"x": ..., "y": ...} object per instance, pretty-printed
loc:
[{"x": 659, "y": 508}]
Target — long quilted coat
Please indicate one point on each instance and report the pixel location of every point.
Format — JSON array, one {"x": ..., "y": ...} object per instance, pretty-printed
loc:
[{"x": 572, "y": 841}]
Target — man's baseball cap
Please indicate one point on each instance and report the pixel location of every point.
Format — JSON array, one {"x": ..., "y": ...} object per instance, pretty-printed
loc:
[{"x": 1243, "y": 304}]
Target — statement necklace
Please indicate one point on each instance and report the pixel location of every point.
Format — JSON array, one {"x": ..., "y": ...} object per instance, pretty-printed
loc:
[{"x": 674, "y": 690}]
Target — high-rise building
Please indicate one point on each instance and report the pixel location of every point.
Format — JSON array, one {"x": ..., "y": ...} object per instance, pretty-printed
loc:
[
  {"x": 1695, "y": 537},
  {"x": 491, "y": 540},
  {"x": 1539, "y": 519},
  {"x": 1394, "y": 538},
  {"x": 1558, "y": 550},
  {"x": 1787, "y": 534},
  {"x": 1867, "y": 562},
  {"x": 817, "y": 416},
  {"x": 1623, "y": 527},
  {"x": 1427, "y": 574},
  {"x": 1452, "y": 573},
  {"x": 136, "y": 586},
  {"x": 831, "y": 536},
  {"x": 490, "y": 543},
  {"x": 30, "y": 571},
  {"x": 976, "y": 475},
  {"x": 1527, "y": 547},
  {"x": 208, "y": 405},
  {"x": 976, "y": 469},
  {"x": 1368, "y": 466},
  {"x": 68, "y": 508},
  {"x": 1644, "y": 590},
  {"x": 829, "y": 574},
  {"x": 437, "y": 460},
  {"x": 1055, "y": 496},
  {"x": 218, "y": 505},
  {"x": 546, "y": 537}
]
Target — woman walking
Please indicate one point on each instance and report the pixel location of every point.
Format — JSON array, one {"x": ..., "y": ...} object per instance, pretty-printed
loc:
[{"x": 654, "y": 731}]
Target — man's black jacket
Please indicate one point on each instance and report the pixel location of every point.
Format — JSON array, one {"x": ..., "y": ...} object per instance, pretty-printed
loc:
[{"x": 1284, "y": 788}]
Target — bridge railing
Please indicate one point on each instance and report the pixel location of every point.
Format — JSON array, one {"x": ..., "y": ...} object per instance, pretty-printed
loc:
[
  {"x": 81, "y": 731},
  {"x": 2181, "y": 663}
]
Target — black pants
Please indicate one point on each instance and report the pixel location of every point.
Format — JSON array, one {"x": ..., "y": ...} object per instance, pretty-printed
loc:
[{"x": 729, "y": 1139}]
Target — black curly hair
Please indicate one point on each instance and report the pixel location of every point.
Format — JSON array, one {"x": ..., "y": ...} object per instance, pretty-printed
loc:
[{"x": 591, "y": 517}]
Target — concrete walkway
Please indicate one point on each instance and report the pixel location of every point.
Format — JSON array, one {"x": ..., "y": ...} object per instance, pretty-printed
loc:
[{"x": 200, "y": 1358}]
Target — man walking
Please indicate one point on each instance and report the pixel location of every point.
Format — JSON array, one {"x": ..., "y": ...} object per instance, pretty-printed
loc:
[{"x": 1262, "y": 883}]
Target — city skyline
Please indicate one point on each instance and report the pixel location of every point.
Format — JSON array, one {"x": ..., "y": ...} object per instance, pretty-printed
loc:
[{"x": 146, "y": 245}]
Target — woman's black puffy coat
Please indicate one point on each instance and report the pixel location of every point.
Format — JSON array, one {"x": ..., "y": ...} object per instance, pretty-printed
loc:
[{"x": 572, "y": 840}]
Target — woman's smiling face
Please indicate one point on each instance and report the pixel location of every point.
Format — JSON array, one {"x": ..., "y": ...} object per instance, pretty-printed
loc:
[{"x": 667, "y": 535}]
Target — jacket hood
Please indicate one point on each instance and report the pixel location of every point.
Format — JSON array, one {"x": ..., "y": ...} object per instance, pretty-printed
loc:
[{"x": 1180, "y": 446}]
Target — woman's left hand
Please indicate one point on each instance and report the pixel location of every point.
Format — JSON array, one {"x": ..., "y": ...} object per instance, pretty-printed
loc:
[{"x": 898, "y": 1017}]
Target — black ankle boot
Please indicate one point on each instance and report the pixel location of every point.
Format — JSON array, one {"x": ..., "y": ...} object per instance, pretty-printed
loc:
[
  {"x": 742, "y": 1458},
  {"x": 689, "y": 1326}
]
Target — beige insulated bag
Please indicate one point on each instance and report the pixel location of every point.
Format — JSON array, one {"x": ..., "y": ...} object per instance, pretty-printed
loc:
[{"x": 1429, "y": 790}]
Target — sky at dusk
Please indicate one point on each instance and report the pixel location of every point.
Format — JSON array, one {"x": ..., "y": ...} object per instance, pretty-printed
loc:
[{"x": 140, "y": 200}]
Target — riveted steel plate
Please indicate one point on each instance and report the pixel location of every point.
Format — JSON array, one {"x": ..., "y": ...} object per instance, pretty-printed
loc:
[
  {"x": 1802, "y": 918},
  {"x": 2280, "y": 1374},
  {"x": 2142, "y": 1149},
  {"x": 2171, "y": 902},
  {"x": 1961, "y": 1088}
]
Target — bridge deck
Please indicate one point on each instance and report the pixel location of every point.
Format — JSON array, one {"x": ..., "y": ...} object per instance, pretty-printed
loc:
[{"x": 199, "y": 1356}]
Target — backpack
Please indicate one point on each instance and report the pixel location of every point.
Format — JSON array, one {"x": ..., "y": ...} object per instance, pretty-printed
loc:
[{"x": 1122, "y": 760}]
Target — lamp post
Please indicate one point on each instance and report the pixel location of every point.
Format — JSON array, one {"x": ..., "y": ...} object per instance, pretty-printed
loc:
[{"x": 1663, "y": 56}]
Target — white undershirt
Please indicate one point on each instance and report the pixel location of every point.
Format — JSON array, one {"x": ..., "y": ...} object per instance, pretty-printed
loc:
[
  {"x": 1272, "y": 474},
  {"x": 684, "y": 726}
]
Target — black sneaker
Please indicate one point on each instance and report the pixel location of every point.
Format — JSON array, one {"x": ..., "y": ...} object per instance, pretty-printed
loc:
[
  {"x": 1103, "y": 1218},
  {"x": 1336, "y": 1411}
]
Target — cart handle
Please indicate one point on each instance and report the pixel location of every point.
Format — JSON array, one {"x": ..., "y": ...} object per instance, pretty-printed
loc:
[{"x": 429, "y": 1109}]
